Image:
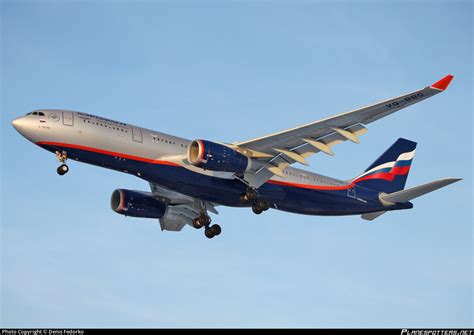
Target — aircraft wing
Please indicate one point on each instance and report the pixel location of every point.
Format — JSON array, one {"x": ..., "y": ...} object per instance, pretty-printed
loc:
[
  {"x": 277, "y": 151},
  {"x": 182, "y": 209}
]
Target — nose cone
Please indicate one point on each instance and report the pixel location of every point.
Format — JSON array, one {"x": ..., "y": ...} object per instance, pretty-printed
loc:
[
  {"x": 24, "y": 125},
  {"x": 20, "y": 124}
]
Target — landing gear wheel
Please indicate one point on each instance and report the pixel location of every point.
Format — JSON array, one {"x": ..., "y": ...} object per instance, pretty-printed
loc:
[
  {"x": 197, "y": 223},
  {"x": 208, "y": 232},
  {"x": 249, "y": 195},
  {"x": 204, "y": 220},
  {"x": 62, "y": 169},
  {"x": 256, "y": 208},
  {"x": 215, "y": 229}
]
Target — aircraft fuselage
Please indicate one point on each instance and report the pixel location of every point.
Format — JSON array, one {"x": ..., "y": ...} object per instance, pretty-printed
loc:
[{"x": 143, "y": 153}]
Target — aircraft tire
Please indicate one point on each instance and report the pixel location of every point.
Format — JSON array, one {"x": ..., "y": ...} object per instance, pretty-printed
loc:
[
  {"x": 208, "y": 233},
  {"x": 244, "y": 199},
  {"x": 62, "y": 169},
  {"x": 205, "y": 220},
  {"x": 197, "y": 223},
  {"x": 256, "y": 208},
  {"x": 215, "y": 229},
  {"x": 251, "y": 194}
]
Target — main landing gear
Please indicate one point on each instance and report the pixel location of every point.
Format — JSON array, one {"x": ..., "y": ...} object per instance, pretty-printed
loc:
[
  {"x": 62, "y": 157},
  {"x": 204, "y": 220},
  {"x": 251, "y": 195}
]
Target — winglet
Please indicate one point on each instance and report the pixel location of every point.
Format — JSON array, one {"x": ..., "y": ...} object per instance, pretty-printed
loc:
[{"x": 443, "y": 83}]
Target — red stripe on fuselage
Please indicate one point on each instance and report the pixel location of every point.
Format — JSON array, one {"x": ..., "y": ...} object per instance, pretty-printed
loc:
[
  {"x": 161, "y": 162},
  {"x": 109, "y": 153}
]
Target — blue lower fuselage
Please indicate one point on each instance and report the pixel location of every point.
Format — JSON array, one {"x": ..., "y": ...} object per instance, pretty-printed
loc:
[{"x": 352, "y": 199}]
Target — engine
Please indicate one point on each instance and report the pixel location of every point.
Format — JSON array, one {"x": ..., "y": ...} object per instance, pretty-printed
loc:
[
  {"x": 217, "y": 157},
  {"x": 137, "y": 204}
]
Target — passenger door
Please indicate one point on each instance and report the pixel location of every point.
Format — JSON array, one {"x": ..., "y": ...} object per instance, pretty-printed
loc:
[
  {"x": 68, "y": 118},
  {"x": 137, "y": 134}
]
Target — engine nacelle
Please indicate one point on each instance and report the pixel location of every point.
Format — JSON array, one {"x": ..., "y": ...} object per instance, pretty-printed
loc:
[
  {"x": 217, "y": 157},
  {"x": 137, "y": 204}
]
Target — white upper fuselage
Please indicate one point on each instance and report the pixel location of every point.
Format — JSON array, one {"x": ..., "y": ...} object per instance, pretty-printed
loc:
[{"x": 85, "y": 130}]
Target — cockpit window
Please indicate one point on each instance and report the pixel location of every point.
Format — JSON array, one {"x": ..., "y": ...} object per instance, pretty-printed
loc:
[
  {"x": 40, "y": 113},
  {"x": 35, "y": 113}
]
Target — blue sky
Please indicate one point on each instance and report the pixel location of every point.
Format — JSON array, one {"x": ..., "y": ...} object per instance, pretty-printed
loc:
[{"x": 231, "y": 71}]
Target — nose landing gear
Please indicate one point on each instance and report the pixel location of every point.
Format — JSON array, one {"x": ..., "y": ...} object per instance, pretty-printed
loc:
[{"x": 62, "y": 157}]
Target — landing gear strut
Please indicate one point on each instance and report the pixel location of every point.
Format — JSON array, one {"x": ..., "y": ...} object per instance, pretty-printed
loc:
[
  {"x": 62, "y": 157},
  {"x": 204, "y": 220}
]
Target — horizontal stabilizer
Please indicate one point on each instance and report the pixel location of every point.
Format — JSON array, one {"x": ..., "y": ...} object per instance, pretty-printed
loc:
[
  {"x": 415, "y": 192},
  {"x": 372, "y": 216}
]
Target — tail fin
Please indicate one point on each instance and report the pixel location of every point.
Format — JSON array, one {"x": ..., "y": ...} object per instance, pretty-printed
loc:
[{"x": 390, "y": 171}]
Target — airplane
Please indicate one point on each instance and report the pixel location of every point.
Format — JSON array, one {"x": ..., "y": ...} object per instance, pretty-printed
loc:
[{"x": 190, "y": 178}]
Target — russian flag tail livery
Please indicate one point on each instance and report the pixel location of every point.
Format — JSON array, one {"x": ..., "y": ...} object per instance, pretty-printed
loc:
[{"x": 390, "y": 171}]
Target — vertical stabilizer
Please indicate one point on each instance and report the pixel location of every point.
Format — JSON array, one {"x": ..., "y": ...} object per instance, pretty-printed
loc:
[{"x": 390, "y": 171}]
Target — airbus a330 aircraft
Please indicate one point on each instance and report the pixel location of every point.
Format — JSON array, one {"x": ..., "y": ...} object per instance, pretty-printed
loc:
[{"x": 188, "y": 179}]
